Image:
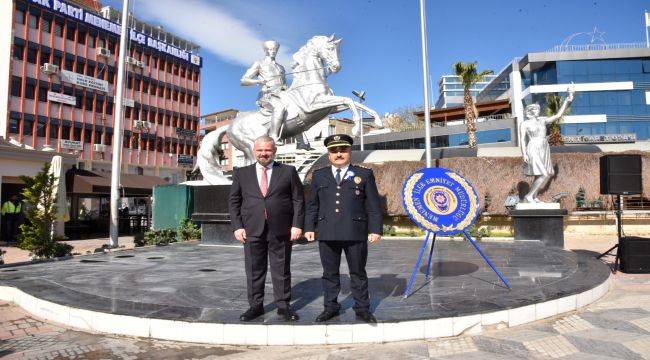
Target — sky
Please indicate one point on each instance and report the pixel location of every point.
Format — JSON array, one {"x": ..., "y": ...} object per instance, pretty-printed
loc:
[{"x": 381, "y": 47}]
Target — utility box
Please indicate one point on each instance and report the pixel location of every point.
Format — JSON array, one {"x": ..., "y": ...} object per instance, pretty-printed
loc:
[{"x": 170, "y": 205}]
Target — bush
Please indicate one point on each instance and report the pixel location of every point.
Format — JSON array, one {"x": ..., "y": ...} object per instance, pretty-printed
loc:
[
  {"x": 389, "y": 230},
  {"x": 138, "y": 239},
  {"x": 160, "y": 237},
  {"x": 479, "y": 232},
  {"x": 188, "y": 231}
]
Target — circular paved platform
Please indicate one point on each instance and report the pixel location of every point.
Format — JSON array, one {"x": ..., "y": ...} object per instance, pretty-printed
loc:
[{"x": 189, "y": 292}]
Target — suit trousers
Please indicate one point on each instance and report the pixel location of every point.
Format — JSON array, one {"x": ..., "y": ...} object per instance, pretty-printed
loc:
[
  {"x": 356, "y": 254},
  {"x": 258, "y": 252}
]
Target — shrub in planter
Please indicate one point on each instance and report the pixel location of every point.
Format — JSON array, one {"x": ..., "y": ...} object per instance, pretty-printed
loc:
[
  {"x": 188, "y": 230},
  {"x": 160, "y": 237},
  {"x": 138, "y": 239}
]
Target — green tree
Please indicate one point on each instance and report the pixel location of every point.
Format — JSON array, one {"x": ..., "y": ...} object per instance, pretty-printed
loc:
[
  {"x": 36, "y": 234},
  {"x": 469, "y": 77},
  {"x": 553, "y": 105}
]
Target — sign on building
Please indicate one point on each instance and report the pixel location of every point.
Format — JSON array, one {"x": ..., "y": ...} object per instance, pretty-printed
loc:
[
  {"x": 599, "y": 139},
  {"x": 84, "y": 81},
  {"x": 185, "y": 160},
  {"x": 72, "y": 144},
  {"x": 129, "y": 102},
  {"x": 61, "y": 98}
]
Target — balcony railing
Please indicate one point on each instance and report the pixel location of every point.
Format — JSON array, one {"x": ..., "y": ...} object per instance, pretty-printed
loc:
[{"x": 596, "y": 47}]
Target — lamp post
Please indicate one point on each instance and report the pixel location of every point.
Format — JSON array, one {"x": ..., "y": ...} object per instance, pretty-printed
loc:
[{"x": 361, "y": 95}]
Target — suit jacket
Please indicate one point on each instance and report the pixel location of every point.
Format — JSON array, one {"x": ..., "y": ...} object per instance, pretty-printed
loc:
[
  {"x": 347, "y": 211},
  {"x": 284, "y": 201}
]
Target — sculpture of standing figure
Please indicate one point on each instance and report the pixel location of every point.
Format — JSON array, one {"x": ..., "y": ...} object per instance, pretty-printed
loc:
[
  {"x": 535, "y": 148},
  {"x": 268, "y": 74}
]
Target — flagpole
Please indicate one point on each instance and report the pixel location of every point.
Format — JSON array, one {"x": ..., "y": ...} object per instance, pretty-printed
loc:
[
  {"x": 647, "y": 40},
  {"x": 425, "y": 79},
  {"x": 117, "y": 129}
]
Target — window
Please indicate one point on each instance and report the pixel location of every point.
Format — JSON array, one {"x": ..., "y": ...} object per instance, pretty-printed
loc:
[
  {"x": 79, "y": 101},
  {"x": 57, "y": 60},
  {"x": 19, "y": 52},
  {"x": 111, "y": 76},
  {"x": 69, "y": 64},
  {"x": 136, "y": 84},
  {"x": 90, "y": 70},
  {"x": 30, "y": 89},
  {"x": 80, "y": 67},
  {"x": 145, "y": 86},
  {"x": 28, "y": 127},
  {"x": 168, "y": 94},
  {"x": 33, "y": 21},
  {"x": 40, "y": 129},
  {"x": 42, "y": 94},
  {"x": 54, "y": 131},
  {"x": 87, "y": 135},
  {"x": 58, "y": 29},
  {"x": 44, "y": 58},
  {"x": 175, "y": 95},
  {"x": 20, "y": 17},
  {"x": 109, "y": 107},
  {"x": 13, "y": 125},
  {"x": 32, "y": 55},
  {"x": 46, "y": 25},
  {"x": 129, "y": 83},
  {"x": 70, "y": 30},
  {"x": 154, "y": 62},
  {"x": 169, "y": 67},
  {"x": 91, "y": 40},
  {"x": 16, "y": 86},
  {"x": 183, "y": 71},
  {"x": 81, "y": 37},
  {"x": 77, "y": 134},
  {"x": 99, "y": 105},
  {"x": 89, "y": 101},
  {"x": 127, "y": 112}
]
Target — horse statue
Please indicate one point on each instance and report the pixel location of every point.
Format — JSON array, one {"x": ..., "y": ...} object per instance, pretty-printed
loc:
[{"x": 307, "y": 101}]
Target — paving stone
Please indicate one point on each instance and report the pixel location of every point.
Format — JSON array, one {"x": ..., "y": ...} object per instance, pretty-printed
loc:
[{"x": 553, "y": 346}]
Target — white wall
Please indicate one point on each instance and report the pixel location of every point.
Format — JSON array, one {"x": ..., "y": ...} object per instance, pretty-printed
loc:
[{"x": 6, "y": 36}]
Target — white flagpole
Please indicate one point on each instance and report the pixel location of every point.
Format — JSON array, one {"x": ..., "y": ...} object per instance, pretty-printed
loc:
[
  {"x": 425, "y": 79},
  {"x": 647, "y": 40},
  {"x": 117, "y": 128}
]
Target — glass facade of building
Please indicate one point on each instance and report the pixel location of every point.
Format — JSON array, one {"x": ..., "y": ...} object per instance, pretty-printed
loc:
[
  {"x": 627, "y": 111},
  {"x": 460, "y": 139}
]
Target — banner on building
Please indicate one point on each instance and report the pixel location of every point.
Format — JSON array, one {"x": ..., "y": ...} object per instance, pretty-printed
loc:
[
  {"x": 61, "y": 98},
  {"x": 84, "y": 81},
  {"x": 72, "y": 144}
]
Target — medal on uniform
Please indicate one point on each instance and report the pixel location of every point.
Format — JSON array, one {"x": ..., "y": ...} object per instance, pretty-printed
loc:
[
  {"x": 357, "y": 180},
  {"x": 357, "y": 192}
]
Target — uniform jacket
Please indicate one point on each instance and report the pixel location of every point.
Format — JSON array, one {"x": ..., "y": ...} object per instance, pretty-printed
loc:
[
  {"x": 346, "y": 212},
  {"x": 284, "y": 201}
]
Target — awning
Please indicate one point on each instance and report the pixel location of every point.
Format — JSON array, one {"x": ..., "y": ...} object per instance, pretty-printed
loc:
[{"x": 93, "y": 183}]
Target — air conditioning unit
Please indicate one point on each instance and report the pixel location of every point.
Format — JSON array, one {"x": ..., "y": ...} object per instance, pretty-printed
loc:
[
  {"x": 137, "y": 124},
  {"x": 139, "y": 63},
  {"x": 131, "y": 61},
  {"x": 49, "y": 69},
  {"x": 100, "y": 147},
  {"x": 103, "y": 52},
  {"x": 146, "y": 124}
]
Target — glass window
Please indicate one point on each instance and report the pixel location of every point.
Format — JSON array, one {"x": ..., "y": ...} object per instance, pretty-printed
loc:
[
  {"x": 58, "y": 29},
  {"x": 42, "y": 94},
  {"x": 32, "y": 55},
  {"x": 91, "y": 40},
  {"x": 44, "y": 58},
  {"x": 19, "y": 52},
  {"x": 46, "y": 25},
  {"x": 13, "y": 126},
  {"x": 33, "y": 21},
  {"x": 16, "y": 86},
  {"x": 90, "y": 70},
  {"x": 80, "y": 67},
  {"x": 40, "y": 130},
  {"x": 28, "y": 127},
  {"x": 20, "y": 17},
  {"x": 89, "y": 101},
  {"x": 57, "y": 60},
  {"x": 612, "y": 127},
  {"x": 30, "y": 91},
  {"x": 109, "y": 108},
  {"x": 81, "y": 37},
  {"x": 70, "y": 31},
  {"x": 87, "y": 136},
  {"x": 99, "y": 105},
  {"x": 76, "y": 134},
  {"x": 69, "y": 64},
  {"x": 54, "y": 131}
]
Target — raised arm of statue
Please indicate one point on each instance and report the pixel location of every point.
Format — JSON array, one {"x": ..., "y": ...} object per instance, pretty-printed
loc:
[
  {"x": 250, "y": 76},
  {"x": 565, "y": 104}
]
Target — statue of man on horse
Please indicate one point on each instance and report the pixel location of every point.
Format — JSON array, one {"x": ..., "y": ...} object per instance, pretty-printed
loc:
[{"x": 283, "y": 113}]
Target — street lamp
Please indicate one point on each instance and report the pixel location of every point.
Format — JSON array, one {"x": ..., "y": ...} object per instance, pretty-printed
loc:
[{"x": 361, "y": 95}]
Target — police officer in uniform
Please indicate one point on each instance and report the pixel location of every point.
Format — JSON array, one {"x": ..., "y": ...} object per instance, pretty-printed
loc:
[
  {"x": 11, "y": 211},
  {"x": 344, "y": 214}
]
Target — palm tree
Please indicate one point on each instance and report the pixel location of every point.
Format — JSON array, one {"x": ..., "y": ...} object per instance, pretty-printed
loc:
[
  {"x": 469, "y": 77},
  {"x": 553, "y": 105}
]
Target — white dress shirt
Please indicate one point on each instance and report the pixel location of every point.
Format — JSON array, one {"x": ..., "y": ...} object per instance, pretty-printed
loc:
[
  {"x": 258, "y": 168},
  {"x": 344, "y": 170}
]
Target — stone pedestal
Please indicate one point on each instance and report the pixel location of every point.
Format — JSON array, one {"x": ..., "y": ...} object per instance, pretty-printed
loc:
[
  {"x": 211, "y": 211},
  {"x": 546, "y": 225}
]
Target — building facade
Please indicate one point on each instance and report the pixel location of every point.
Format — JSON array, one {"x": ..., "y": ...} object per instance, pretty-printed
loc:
[
  {"x": 59, "y": 71},
  {"x": 215, "y": 120},
  {"x": 450, "y": 89}
]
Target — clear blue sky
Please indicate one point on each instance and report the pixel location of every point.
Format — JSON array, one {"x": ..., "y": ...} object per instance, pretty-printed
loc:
[{"x": 380, "y": 51}]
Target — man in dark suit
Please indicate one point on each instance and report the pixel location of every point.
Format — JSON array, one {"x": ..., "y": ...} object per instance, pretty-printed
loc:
[
  {"x": 343, "y": 214},
  {"x": 267, "y": 213}
]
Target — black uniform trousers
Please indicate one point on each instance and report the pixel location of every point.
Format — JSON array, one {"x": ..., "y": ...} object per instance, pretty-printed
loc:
[
  {"x": 10, "y": 228},
  {"x": 356, "y": 254},
  {"x": 258, "y": 252}
]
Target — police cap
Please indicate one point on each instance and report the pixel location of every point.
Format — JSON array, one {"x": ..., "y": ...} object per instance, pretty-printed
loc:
[{"x": 338, "y": 140}]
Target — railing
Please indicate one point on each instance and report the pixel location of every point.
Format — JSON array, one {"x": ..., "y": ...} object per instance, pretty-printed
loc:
[
  {"x": 596, "y": 47},
  {"x": 419, "y": 125}
]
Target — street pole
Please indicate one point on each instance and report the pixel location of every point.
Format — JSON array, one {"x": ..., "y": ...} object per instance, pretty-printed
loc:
[
  {"x": 117, "y": 128},
  {"x": 425, "y": 80}
]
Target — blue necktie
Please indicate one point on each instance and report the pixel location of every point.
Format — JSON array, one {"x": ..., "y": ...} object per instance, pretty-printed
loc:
[{"x": 338, "y": 176}]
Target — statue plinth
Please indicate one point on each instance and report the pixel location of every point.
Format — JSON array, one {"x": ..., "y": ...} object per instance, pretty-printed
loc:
[
  {"x": 211, "y": 211},
  {"x": 537, "y": 206},
  {"x": 542, "y": 224}
]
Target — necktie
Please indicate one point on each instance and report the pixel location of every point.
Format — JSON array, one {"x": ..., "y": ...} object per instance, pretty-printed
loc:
[
  {"x": 338, "y": 176},
  {"x": 264, "y": 186}
]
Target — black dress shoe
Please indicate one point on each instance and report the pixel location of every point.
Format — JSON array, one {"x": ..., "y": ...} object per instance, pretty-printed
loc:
[
  {"x": 252, "y": 314},
  {"x": 326, "y": 315},
  {"x": 288, "y": 315},
  {"x": 366, "y": 316}
]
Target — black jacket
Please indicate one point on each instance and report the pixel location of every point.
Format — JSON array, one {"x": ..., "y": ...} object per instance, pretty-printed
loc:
[
  {"x": 348, "y": 211},
  {"x": 284, "y": 201}
]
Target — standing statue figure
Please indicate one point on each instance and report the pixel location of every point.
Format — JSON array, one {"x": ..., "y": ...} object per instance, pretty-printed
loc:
[
  {"x": 535, "y": 148},
  {"x": 268, "y": 74}
]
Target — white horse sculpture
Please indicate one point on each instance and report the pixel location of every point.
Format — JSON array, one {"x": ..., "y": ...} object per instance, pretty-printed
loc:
[{"x": 307, "y": 101}]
